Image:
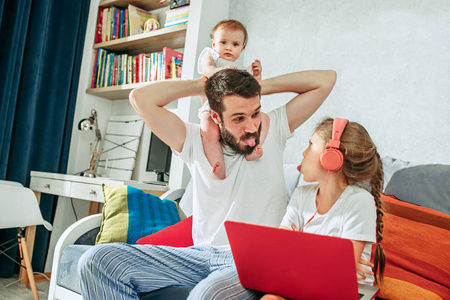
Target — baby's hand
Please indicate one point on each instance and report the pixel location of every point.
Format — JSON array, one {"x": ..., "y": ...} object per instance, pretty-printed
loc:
[
  {"x": 230, "y": 67},
  {"x": 257, "y": 69}
]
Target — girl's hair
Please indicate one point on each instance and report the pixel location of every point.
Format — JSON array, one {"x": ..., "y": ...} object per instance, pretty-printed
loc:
[
  {"x": 230, "y": 25},
  {"x": 362, "y": 164}
]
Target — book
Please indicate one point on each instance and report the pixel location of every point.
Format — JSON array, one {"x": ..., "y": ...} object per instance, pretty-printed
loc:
[
  {"x": 177, "y": 16},
  {"x": 95, "y": 67},
  {"x": 104, "y": 24},
  {"x": 137, "y": 18},
  {"x": 98, "y": 33},
  {"x": 135, "y": 69},
  {"x": 168, "y": 54},
  {"x": 130, "y": 70}
]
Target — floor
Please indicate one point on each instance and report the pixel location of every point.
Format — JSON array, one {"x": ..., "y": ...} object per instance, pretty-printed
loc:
[{"x": 10, "y": 289}]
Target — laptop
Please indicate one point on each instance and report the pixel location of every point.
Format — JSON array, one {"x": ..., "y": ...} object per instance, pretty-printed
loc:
[{"x": 294, "y": 264}]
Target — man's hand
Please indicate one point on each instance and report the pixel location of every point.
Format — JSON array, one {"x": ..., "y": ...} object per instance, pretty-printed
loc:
[{"x": 257, "y": 70}]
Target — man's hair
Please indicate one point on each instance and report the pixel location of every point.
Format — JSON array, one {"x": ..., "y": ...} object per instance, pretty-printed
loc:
[
  {"x": 230, "y": 82},
  {"x": 230, "y": 25}
]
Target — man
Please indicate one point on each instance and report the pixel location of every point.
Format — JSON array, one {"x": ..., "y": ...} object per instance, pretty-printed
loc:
[{"x": 252, "y": 192}]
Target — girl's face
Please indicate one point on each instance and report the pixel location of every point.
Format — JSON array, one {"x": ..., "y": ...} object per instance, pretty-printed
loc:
[
  {"x": 311, "y": 168},
  {"x": 229, "y": 44}
]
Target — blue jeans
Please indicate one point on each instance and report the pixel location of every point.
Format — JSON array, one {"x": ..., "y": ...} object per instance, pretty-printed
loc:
[{"x": 120, "y": 271}]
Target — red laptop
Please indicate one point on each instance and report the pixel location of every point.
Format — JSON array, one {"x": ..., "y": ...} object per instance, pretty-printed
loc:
[{"x": 294, "y": 264}]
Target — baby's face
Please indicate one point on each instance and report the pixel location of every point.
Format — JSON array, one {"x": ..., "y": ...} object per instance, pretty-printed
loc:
[{"x": 229, "y": 44}]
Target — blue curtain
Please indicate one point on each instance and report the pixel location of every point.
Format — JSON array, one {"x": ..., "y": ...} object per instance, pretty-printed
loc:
[{"x": 40, "y": 57}]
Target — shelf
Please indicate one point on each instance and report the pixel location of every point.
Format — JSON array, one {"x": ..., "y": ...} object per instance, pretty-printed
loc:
[
  {"x": 144, "y": 4},
  {"x": 116, "y": 92},
  {"x": 172, "y": 37}
]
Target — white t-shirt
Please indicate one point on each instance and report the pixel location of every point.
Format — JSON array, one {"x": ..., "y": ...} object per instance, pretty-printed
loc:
[
  {"x": 252, "y": 192},
  {"x": 353, "y": 217}
]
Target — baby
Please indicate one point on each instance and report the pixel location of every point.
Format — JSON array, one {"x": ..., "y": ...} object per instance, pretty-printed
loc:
[{"x": 228, "y": 39}]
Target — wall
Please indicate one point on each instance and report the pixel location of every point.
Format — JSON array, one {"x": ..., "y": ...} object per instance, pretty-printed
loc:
[{"x": 392, "y": 60}]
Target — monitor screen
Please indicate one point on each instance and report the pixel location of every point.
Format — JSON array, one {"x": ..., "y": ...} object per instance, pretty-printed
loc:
[{"x": 159, "y": 157}]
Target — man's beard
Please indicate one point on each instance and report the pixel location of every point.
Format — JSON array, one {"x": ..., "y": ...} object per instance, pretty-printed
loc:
[{"x": 233, "y": 142}]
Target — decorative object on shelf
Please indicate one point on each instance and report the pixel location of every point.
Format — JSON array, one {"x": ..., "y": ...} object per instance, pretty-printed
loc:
[
  {"x": 178, "y": 3},
  {"x": 90, "y": 124},
  {"x": 137, "y": 18},
  {"x": 150, "y": 25}
]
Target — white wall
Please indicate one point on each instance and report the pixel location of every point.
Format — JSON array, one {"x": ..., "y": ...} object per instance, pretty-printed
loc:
[{"x": 392, "y": 60}]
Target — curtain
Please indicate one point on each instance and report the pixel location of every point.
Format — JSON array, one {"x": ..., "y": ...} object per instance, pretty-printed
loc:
[{"x": 40, "y": 57}]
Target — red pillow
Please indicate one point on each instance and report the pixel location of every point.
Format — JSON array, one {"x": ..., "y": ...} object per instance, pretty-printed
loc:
[{"x": 177, "y": 235}]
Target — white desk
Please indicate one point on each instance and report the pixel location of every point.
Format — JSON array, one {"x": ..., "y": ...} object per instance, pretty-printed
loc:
[{"x": 78, "y": 187}]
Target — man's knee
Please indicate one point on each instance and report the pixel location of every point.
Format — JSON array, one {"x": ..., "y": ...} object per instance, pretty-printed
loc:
[{"x": 91, "y": 258}]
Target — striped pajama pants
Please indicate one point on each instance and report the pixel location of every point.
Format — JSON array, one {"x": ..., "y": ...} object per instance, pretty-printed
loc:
[{"x": 120, "y": 271}]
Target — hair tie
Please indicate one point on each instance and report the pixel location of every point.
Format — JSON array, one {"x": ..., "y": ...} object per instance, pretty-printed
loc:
[{"x": 379, "y": 244}]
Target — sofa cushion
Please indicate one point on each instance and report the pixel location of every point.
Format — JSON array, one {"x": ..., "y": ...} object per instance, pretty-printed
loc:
[
  {"x": 424, "y": 185},
  {"x": 129, "y": 214},
  {"x": 68, "y": 276},
  {"x": 416, "y": 242},
  {"x": 177, "y": 235}
]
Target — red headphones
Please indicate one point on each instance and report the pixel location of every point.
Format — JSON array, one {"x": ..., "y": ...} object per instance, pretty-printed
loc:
[{"x": 332, "y": 158}]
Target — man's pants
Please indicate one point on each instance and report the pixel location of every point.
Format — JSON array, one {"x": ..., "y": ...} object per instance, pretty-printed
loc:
[{"x": 120, "y": 271}]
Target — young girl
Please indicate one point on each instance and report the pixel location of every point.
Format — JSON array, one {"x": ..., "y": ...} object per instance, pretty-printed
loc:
[
  {"x": 338, "y": 204},
  {"x": 228, "y": 39}
]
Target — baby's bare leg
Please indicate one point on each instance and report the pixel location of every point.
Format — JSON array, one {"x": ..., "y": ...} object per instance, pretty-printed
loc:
[
  {"x": 258, "y": 151},
  {"x": 211, "y": 144}
]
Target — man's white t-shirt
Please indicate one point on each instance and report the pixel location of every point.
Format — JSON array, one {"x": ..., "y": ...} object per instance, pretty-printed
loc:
[
  {"x": 353, "y": 217},
  {"x": 252, "y": 192}
]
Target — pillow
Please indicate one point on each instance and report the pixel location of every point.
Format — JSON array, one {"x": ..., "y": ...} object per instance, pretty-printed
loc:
[
  {"x": 129, "y": 214},
  {"x": 416, "y": 242},
  {"x": 424, "y": 185},
  {"x": 178, "y": 235},
  {"x": 392, "y": 165}
]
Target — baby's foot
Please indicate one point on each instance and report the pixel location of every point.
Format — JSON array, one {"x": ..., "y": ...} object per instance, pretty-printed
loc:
[
  {"x": 257, "y": 153},
  {"x": 218, "y": 170}
]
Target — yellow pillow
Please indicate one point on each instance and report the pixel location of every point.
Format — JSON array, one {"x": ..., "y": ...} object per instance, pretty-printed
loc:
[{"x": 129, "y": 214}]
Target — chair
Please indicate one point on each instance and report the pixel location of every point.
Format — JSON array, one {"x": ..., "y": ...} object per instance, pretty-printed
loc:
[{"x": 20, "y": 209}]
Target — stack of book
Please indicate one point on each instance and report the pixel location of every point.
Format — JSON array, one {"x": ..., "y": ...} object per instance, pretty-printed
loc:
[
  {"x": 115, "y": 22},
  {"x": 112, "y": 69},
  {"x": 177, "y": 16}
]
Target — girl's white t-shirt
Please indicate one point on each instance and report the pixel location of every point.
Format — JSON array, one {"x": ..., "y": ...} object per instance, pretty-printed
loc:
[
  {"x": 252, "y": 192},
  {"x": 353, "y": 217}
]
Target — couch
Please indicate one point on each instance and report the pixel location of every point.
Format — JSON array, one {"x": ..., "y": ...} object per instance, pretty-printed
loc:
[{"x": 416, "y": 234}]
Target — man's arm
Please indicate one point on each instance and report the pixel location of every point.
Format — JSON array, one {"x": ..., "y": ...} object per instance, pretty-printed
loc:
[
  {"x": 312, "y": 87},
  {"x": 149, "y": 102}
]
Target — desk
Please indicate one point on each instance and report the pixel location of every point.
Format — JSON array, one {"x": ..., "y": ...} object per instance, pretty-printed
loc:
[{"x": 78, "y": 187}]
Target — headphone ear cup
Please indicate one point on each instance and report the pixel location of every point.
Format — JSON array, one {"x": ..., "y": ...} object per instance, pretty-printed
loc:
[{"x": 331, "y": 159}]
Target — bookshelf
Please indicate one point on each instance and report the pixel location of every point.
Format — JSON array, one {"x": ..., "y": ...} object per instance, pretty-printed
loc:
[{"x": 172, "y": 37}]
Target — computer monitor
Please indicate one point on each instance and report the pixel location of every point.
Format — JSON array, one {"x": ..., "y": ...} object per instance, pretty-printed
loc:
[{"x": 159, "y": 157}]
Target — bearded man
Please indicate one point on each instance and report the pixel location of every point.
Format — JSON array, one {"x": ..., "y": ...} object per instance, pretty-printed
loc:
[{"x": 252, "y": 192}]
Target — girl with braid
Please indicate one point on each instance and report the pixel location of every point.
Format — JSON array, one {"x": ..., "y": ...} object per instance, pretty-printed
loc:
[{"x": 338, "y": 204}]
